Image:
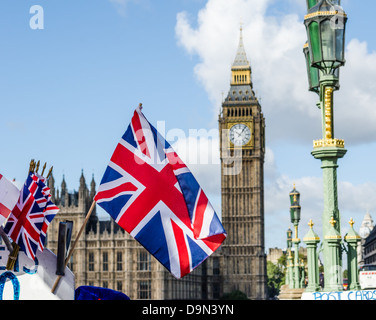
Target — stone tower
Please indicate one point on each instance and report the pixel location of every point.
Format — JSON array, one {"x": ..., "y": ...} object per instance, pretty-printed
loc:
[{"x": 242, "y": 128}]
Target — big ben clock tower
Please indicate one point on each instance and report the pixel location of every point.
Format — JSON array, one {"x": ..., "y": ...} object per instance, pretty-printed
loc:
[{"x": 242, "y": 128}]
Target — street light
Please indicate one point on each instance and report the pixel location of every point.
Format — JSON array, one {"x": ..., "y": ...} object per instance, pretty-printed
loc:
[
  {"x": 312, "y": 72},
  {"x": 295, "y": 207},
  {"x": 325, "y": 24},
  {"x": 311, "y": 3},
  {"x": 290, "y": 271},
  {"x": 315, "y": 74},
  {"x": 295, "y": 210},
  {"x": 289, "y": 238}
]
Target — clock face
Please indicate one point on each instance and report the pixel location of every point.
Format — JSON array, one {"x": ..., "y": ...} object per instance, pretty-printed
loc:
[
  {"x": 240, "y": 134},
  {"x": 364, "y": 232}
]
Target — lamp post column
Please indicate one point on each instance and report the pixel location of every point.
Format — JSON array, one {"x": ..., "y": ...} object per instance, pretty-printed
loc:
[
  {"x": 311, "y": 239},
  {"x": 295, "y": 218},
  {"x": 296, "y": 242},
  {"x": 289, "y": 276},
  {"x": 329, "y": 153},
  {"x": 352, "y": 239},
  {"x": 333, "y": 268},
  {"x": 302, "y": 274},
  {"x": 290, "y": 270}
]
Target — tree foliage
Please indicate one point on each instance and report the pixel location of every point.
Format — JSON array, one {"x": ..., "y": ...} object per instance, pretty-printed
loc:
[
  {"x": 234, "y": 295},
  {"x": 276, "y": 278}
]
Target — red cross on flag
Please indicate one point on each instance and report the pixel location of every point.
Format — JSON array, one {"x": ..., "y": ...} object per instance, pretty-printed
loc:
[{"x": 9, "y": 195}]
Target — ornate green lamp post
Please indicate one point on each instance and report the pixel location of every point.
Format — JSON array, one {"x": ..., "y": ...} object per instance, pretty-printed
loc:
[
  {"x": 289, "y": 239},
  {"x": 333, "y": 239},
  {"x": 302, "y": 274},
  {"x": 295, "y": 218},
  {"x": 311, "y": 239},
  {"x": 325, "y": 24},
  {"x": 352, "y": 239},
  {"x": 289, "y": 273}
]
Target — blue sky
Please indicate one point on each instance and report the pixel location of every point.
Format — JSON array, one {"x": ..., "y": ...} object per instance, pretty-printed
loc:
[{"x": 68, "y": 91}]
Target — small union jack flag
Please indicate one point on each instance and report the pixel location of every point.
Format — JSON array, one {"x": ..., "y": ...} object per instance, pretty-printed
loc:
[
  {"x": 50, "y": 210},
  {"x": 150, "y": 192},
  {"x": 28, "y": 222},
  {"x": 9, "y": 195}
]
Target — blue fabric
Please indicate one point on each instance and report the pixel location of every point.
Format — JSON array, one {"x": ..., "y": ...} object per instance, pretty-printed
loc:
[
  {"x": 157, "y": 244},
  {"x": 97, "y": 293}
]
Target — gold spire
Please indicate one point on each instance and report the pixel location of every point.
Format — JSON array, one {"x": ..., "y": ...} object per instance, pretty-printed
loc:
[
  {"x": 32, "y": 165},
  {"x": 332, "y": 221},
  {"x": 49, "y": 172},
  {"x": 351, "y": 222},
  {"x": 44, "y": 168},
  {"x": 310, "y": 224}
]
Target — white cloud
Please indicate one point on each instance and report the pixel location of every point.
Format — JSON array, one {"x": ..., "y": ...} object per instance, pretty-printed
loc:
[
  {"x": 201, "y": 155},
  {"x": 355, "y": 105},
  {"x": 270, "y": 166}
]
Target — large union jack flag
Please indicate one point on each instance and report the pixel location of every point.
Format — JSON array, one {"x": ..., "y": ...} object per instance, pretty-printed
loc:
[
  {"x": 27, "y": 224},
  {"x": 151, "y": 193}
]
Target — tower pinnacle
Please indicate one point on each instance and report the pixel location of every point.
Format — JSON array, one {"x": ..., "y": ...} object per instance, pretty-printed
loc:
[
  {"x": 241, "y": 56},
  {"x": 241, "y": 76},
  {"x": 241, "y": 68}
]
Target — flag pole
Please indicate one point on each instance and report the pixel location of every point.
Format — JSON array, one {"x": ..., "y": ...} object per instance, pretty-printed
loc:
[
  {"x": 74, "y": 245},
  {"x": 6, "y": 239}
]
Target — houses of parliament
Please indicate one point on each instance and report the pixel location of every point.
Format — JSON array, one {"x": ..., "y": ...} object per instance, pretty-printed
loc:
[{"x": 107, "y": 256}]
